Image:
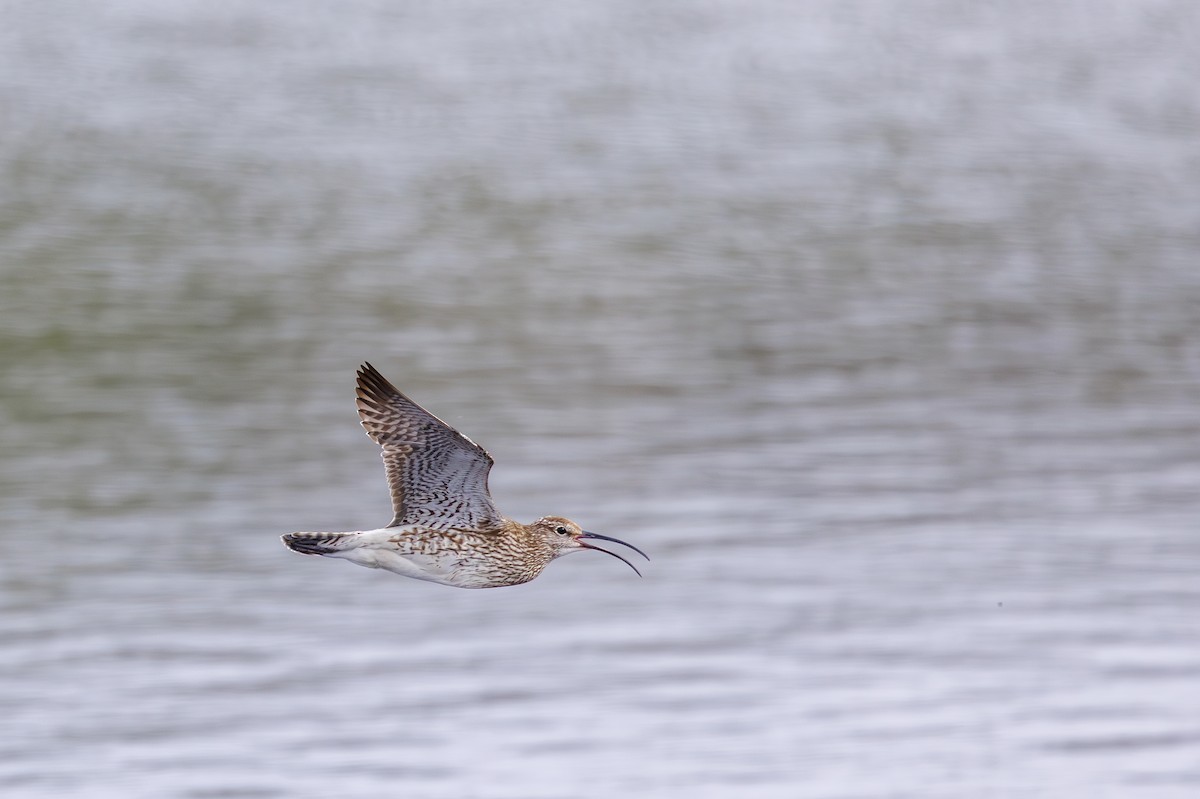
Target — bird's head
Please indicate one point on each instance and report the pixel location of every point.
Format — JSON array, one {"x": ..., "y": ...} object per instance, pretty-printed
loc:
[{"x": 563, "y": 536}]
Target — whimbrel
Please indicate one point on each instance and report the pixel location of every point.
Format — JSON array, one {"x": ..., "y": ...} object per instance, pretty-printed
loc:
[{"x": 445, "y": 528}]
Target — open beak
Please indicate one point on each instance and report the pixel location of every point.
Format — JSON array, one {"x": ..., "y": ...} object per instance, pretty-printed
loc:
[{"x": 586, "y": 534}]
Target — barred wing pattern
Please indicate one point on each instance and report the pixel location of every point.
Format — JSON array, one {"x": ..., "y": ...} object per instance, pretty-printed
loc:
[{"x": 438, "y": 476}]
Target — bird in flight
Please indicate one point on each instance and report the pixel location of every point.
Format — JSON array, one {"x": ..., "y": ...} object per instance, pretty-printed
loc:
[{"x": 445, "y": 528}]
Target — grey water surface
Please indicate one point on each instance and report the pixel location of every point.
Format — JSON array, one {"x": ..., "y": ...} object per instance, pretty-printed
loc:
[{"x": 876, "y": 324}]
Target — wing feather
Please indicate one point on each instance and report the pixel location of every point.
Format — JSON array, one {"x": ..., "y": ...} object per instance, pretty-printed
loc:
[{"x": 437, "y": 476}]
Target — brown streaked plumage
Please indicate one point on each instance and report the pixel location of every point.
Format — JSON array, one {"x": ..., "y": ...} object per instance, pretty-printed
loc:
[{"x": 444, "y": 527}]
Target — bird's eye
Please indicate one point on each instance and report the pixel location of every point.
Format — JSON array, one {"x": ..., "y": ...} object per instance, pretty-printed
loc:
[{"x": 561, "y": 530}]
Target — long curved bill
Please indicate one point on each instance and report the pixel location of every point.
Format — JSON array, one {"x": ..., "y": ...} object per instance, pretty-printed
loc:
[{"x": 586, "y": 534}]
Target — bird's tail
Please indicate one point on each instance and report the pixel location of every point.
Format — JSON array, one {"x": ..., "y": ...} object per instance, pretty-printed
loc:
[{"x": 318, "y": 543}]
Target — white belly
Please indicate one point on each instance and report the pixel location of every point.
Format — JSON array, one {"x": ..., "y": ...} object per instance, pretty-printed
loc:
[{"x": 375, "y": 550}]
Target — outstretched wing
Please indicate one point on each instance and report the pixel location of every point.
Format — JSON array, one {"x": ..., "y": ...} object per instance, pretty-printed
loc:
[{"x": 438, "y": 476}]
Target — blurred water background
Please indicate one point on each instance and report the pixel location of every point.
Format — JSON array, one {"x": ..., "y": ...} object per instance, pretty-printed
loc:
[{"x": 876, "y": 324}]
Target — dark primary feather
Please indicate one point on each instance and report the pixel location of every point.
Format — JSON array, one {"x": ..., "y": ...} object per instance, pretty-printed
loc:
[{"x": 438, "y": 476}]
